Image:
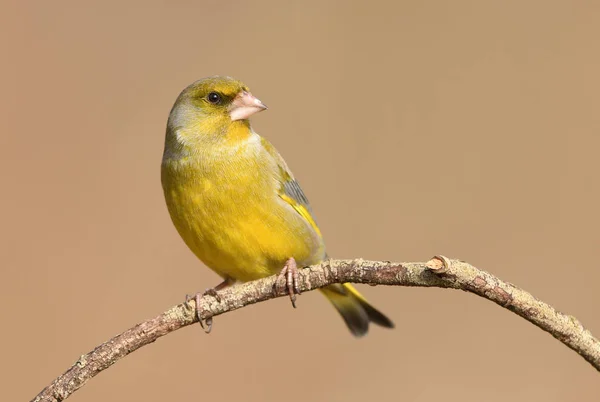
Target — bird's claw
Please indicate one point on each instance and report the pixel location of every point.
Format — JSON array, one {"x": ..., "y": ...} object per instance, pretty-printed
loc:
[
  {"x": 206, "y": 324},
  {"x": 212, "y": 292},
  {"x": 288, "y": 280}
]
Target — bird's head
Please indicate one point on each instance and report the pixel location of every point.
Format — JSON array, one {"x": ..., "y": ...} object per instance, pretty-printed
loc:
[{"x": 212, "y": 107}]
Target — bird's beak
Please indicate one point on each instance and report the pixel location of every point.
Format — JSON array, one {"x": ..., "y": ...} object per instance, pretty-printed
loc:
[{"x": 245, "y": 105}]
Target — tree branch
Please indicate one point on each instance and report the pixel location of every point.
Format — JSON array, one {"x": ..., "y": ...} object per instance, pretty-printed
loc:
[{"x": 438, "y": 272}]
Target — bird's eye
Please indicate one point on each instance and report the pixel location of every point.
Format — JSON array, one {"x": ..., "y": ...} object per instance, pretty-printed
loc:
[{"x": 214, "y": 98}]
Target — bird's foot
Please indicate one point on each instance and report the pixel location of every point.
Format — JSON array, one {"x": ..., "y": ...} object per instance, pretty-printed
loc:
[
  {"x": 288, "y": 279},
  {"x": 212, "y": 292},
  {"x": 207, "y": 324}
]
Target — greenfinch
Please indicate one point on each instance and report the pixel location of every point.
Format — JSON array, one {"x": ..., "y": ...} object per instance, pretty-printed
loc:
[{"x": 235, "y": 202}]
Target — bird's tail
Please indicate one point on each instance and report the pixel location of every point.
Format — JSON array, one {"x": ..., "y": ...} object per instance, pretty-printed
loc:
[{"x": 354, "y": 308}]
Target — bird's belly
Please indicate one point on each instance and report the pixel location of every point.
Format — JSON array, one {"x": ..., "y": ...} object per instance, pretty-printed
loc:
[{"x": 236, "y": 232}]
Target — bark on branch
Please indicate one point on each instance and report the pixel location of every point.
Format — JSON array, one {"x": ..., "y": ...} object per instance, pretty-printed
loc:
[{"x": 438, "y": 272}]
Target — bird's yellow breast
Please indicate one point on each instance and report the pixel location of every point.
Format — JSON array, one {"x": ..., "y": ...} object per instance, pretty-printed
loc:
[{"x": 226, "y": 208}]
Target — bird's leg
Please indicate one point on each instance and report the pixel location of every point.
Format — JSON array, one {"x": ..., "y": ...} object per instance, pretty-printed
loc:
[
  {"x": 208, "y": 292},
  {"x": 288, "y": 278}
]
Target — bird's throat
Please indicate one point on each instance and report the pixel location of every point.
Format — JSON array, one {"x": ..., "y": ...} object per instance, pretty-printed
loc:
[{"x": 238, "y": 131}]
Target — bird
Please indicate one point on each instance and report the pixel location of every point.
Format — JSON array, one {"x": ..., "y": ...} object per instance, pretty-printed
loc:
[{"x": 237, "y": 205}]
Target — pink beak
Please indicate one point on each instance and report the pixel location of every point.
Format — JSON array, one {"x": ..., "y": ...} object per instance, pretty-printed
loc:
[{"x": 245, "y": 105}]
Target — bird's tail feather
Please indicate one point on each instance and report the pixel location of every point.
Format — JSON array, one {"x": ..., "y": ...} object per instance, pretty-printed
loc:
[{"x": 354, "y": 308}]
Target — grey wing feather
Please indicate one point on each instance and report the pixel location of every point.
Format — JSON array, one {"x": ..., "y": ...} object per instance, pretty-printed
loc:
[{"x": 292, "y": 189}]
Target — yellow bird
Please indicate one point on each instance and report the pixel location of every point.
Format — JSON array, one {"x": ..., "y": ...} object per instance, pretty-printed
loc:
[{"x": 235, "y": 202}]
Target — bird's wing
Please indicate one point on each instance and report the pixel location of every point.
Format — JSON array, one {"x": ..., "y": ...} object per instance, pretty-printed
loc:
[{"x": 290, "y": 190}]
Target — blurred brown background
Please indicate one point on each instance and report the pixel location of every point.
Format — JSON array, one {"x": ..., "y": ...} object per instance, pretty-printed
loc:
[{"x": 463, "y": 128}]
